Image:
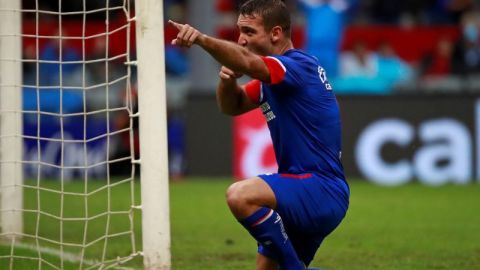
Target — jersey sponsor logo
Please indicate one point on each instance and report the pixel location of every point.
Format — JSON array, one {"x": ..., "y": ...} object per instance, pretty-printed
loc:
[
  {"x": 265, "y": 107},
  {"x": 322, "y": 74},
  {"x": 267, "y": 111},
  {"x": 269, "y": 116}
]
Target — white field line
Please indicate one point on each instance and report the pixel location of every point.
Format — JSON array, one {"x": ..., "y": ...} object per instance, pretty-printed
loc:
[{"x": 67, "y": 256}]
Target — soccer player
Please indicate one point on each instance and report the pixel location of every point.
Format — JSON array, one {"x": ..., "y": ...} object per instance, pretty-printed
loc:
[{"x": 289, "y": 213}]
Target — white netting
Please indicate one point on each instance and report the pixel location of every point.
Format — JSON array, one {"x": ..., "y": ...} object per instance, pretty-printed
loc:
[{"x": 78, "y": 138}]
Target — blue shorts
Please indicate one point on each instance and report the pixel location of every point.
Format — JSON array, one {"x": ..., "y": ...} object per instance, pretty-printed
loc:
[{"x": 311, "y": 207}]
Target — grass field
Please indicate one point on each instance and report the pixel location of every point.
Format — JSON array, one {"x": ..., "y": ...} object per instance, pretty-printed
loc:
[{"x": 409, "y": 227}]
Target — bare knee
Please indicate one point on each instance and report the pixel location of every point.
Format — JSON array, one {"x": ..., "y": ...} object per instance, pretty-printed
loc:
[
  {"x": 236, "y": 196},
  {"x": 247, "y": 196},
  {"x": 241, "y": 200}
]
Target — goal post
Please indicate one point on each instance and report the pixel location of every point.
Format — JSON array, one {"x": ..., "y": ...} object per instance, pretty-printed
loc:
[
  {"x": 11, "y": 198},
  {"x": 68, "y": 136},
  {"x": 153, "y": 135}
]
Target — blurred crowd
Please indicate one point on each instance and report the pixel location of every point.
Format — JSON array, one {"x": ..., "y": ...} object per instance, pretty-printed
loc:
[
  {"x": 385, "y": 47},
  {"x": 366, "y": 46}
]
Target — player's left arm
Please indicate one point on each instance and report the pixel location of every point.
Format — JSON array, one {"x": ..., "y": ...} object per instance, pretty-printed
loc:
[{"x": 229, "y": 54}]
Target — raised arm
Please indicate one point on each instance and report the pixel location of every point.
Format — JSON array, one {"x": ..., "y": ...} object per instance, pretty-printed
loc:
[
  {"x": 229, "y": 54},
  {"x": 232, "y": 98}
]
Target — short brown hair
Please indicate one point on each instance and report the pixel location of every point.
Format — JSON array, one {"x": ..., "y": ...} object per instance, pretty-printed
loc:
[{"x": 273, "y": 13}]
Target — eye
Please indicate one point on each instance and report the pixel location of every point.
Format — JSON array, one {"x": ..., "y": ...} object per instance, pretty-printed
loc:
[{"x": 248, "y": 31}]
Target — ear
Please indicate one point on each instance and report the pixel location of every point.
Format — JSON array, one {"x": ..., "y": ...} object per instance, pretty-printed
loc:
[{"x": 276, "y": 34}]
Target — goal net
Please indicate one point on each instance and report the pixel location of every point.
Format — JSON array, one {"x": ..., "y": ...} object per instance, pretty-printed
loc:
[{"x": 73, "y": 88}]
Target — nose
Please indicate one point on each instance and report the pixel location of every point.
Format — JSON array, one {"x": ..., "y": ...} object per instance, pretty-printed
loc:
[{"x": 242, "y": 41}]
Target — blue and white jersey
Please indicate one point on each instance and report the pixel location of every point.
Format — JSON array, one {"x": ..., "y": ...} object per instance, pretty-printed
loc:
[{"x": 302, "y": 114}]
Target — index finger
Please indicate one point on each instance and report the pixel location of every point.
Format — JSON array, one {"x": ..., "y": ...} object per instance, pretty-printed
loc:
[{"x": 175, "y": 24}]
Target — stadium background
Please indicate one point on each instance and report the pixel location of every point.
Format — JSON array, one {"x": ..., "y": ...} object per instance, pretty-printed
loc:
[
  {"x": 406, "y": 76},
  {"x": 414, "y": 61}
]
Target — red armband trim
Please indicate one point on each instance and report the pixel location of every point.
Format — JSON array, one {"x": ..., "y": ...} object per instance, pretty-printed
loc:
[
  {"x": 276, "y": 68},
  {"x": 253, "y": 90}
]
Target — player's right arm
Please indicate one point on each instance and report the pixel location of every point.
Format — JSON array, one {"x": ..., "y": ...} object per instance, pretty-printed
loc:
[
  {"x": 227, "y": 53},
  {"x": 232, "y": 98}
]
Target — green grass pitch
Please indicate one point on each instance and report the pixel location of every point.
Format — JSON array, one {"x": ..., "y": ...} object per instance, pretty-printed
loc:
[{"x": 409, "y": 227}]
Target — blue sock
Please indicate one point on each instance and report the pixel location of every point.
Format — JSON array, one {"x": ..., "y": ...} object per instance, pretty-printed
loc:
[{"x": 266, "y": 227}]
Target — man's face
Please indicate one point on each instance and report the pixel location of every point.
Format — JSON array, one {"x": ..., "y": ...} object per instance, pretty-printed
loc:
[{"x": 253, "y": 35}]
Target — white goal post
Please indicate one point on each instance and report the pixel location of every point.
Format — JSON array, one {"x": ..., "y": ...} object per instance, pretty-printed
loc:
[
  {"x": 11, "y": 178},
  {"x": 20, "y": 240},
  {"x": 153, "y": 169}
]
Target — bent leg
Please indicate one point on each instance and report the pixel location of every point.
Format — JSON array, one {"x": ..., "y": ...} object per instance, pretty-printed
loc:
[
  {"x": 252, "y": 202},
  {"x": 311, "y": 205},
  {"x": 247, "y": 196}
]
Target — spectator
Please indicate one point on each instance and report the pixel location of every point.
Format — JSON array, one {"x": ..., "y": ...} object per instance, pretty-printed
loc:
[
  {"x": 324, "y": 29},
  {"x": 359, "y": 62},
  {"x": 466, "y": 56},
  {"x": 438, "y": 62},
  {"x": 358, "y": 71},
  {"x": 100, "y": 73},
  {"x": 436, "y": 69},
  {"x": 364, "y": 72},
  {"x": 177, "y": 69},
  {"x": 176, "y": 146},
  {"x": 392, "y": 68},
  {"x": 54, "y": 78}
]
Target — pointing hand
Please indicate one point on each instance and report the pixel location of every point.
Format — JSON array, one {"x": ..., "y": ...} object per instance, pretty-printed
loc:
[{"x": 187, "y": 35}]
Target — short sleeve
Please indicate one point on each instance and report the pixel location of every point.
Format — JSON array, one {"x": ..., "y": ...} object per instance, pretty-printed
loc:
[
  {"x": 283, "y": 70},
  {"x": 253, "y": 89}
]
